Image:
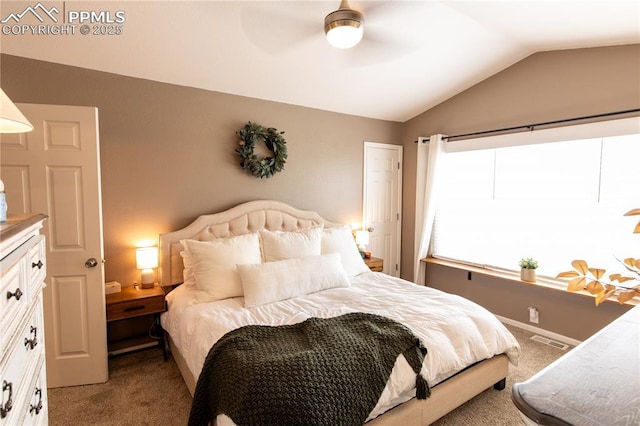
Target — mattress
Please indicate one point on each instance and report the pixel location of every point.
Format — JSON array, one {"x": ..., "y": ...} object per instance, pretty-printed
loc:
[{"x": 456, "y": 332}]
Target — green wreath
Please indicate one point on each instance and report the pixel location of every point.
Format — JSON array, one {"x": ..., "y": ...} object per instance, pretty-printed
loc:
[{"x": 249, "y": 135}]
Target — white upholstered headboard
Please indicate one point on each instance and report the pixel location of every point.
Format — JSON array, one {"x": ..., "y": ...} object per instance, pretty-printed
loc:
[{"x": 242, "y": 219}]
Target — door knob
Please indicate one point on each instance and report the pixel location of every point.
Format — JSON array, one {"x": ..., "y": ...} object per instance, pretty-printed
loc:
[
  {"x": 370, "y": 229},
  {"x": 91, "y": 263}
]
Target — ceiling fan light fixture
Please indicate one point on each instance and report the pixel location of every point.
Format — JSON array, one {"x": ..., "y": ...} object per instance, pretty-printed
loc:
[{"x": 344, "y": 27}]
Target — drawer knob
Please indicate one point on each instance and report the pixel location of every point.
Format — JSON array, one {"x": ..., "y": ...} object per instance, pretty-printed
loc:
[
  {"x": 17, "y": 294},
  {"x": 38, "y": 265},
  {"x": 36, "y": 408},
  {"x": 7, "y": 406},
  {"x": 32, "y": 343}
]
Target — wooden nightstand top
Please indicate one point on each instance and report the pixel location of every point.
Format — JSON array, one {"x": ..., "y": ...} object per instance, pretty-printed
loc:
[
  {"x": 131, "y": 293},
  {"x": 375, "y": 264},
  {"x": 132, "y": 302}
]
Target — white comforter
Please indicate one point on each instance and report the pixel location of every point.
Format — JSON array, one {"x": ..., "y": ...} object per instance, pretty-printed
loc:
[{"x": 455, "y": 331}]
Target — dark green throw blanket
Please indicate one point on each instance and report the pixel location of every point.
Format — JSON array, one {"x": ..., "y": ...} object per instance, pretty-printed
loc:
[{"x": 319, "y": 372}]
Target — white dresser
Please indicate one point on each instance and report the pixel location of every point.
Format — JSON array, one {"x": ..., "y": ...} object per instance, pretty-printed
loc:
[{"x": 22, "y": 359}]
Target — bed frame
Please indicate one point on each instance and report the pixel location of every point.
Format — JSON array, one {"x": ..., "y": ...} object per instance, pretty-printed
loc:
[{"x": 273, "y": 215}]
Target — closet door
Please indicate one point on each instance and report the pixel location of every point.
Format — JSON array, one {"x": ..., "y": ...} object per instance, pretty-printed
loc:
[
  {"x": 382, "y": 202},
  {"x": 55, "y": 170}
]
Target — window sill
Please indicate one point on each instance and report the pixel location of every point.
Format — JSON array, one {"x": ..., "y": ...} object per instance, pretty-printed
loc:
[{"x": 540, "y": 282}]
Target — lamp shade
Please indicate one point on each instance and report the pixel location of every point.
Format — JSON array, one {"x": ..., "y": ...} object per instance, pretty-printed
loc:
[
  {"x": 344, "y": 27},
  {"x": 11, "y": 119},
  {"x": 362, "y": 237},
  {"x": 147, "y": 257}
]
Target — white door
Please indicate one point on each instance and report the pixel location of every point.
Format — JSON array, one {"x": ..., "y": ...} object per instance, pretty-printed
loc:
[
  {"x": 382, "y": 202},
  {"x": 55, "y": 170}
]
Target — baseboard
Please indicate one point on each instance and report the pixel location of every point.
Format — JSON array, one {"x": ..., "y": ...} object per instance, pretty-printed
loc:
[{"x": 541, "y": 331}]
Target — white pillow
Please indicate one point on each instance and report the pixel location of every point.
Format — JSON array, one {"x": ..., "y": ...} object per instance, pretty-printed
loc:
[
  {"x": 213, "y": 263},
  {"x": 340, "y": 240},
  {"x": 273, "y": 281},
  {"x": 281, "y": 245},
  {"x": 187, "y": 272}
]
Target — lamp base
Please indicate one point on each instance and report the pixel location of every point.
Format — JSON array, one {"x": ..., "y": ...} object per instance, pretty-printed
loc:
[{"x": 147, "y": 278}]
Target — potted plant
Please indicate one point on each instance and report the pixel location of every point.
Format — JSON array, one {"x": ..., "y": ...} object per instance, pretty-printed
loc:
[
  {"x": 528, "y": 266},
  {"x": 623, "y": 287}
]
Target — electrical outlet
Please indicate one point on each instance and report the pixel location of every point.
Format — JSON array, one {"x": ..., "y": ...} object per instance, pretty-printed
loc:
[{"x": 534, "y": 315}]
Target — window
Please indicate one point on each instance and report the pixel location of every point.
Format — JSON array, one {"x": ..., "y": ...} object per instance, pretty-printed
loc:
[{"x": 554, "y": 201}]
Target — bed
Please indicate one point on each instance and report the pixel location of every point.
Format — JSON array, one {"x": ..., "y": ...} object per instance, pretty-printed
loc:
[{"x": 469, "y": 350}]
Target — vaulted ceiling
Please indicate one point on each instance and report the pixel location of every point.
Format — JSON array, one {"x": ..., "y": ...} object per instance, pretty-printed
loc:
[{"x": 414, "y": 55}]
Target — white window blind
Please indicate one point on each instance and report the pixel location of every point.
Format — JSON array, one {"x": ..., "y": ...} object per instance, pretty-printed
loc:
[{"x": 554, "y": 201}]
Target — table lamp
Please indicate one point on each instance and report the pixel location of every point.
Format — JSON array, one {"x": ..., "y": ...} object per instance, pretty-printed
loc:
[
  {"x": 11, "y": 118},
  {"x": 147, "y": 259},
  {"x": 362, "y": 239}
]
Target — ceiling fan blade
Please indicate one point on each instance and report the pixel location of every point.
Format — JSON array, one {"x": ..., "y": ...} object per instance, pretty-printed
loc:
[
  {"x": 384, "y": 39},
  {"x": 374, "y": 49},
  {"x": 381, "y": 10},
  {"x": 279, "y": 26}
]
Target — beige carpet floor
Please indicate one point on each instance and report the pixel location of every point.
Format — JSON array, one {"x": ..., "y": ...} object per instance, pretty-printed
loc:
[{"x": 144, "y": 390}]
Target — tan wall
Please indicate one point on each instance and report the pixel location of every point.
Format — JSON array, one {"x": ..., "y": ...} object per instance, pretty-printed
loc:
[
  {"x": 567, "y": 314},
  {"x": 167, "y": 152},
  {"x": 542, "y": 87}
]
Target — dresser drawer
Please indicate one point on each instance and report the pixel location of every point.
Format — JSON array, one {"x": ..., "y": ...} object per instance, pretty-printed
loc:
[
  {"x": 17, "y": 371},
  {"x": 14, "y": 298},
  {"x": 36, "y": 265},
  {"x": 132, "y": 308},
  {"x": 34, "y": 411}
]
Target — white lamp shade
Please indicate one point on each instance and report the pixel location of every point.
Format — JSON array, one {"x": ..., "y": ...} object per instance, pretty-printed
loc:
[
  {"x": 11, "y": 119},
  {"x": 362, "y": 237},
  {"x": 147, "y": 257},
  {"x": 345, "y": 36}
]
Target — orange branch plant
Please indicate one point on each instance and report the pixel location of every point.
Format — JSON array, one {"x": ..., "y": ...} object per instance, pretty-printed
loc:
[{"x": 582, "y": 277}]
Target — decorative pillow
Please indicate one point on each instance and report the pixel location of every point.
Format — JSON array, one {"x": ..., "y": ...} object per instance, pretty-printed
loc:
[
  {"x": 213, "y": 263},
  {"x": 340, "y": 240},
  {"x": 284, "y": 279},
  {"x": 188, "y": 276},
  {"x": 281, "y": 245}
]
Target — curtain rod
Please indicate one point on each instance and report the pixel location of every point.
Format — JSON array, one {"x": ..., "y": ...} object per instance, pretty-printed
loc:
[{"x": 531, "y": 127}]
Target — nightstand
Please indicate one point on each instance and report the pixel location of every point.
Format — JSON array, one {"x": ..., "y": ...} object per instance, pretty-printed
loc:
[
  {"x": 375, "y": 264},
  {"x": 134, "y": 302}
]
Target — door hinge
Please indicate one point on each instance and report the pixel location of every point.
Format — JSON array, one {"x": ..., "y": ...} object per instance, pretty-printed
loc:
[
  {"x": 398, "y": 165},
  {"x": 396, "y": 266},
  {"x": 397, "y": 216}
]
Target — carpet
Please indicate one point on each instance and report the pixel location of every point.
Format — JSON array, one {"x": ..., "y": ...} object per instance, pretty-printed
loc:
[
  {"x": 496, "y": 408},
  {"x": 144, "y": 390},
  {"x": 141, "y": 390}
]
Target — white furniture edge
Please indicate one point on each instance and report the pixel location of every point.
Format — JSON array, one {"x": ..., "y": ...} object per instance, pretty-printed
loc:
[
  {"x": 445, "y": 397},
  {"x": 23, "y": 366}
]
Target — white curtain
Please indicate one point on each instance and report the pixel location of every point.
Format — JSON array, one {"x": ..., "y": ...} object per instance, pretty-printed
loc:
[{"x": 430, "y": 163}]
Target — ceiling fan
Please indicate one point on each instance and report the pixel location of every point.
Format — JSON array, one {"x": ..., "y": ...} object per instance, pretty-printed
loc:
[
  {"x": 344, "y": 27},
  {"x": 279, "y": 27}
]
